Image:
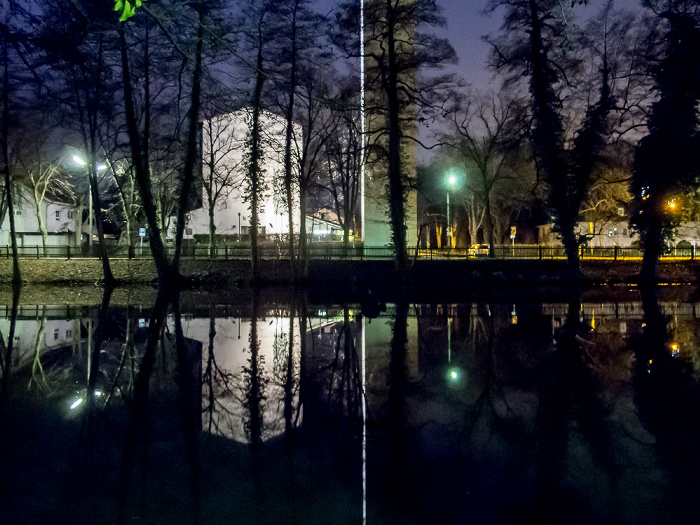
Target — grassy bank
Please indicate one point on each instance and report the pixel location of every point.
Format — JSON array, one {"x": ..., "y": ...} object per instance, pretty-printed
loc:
[{"x": 378, "y": 273}]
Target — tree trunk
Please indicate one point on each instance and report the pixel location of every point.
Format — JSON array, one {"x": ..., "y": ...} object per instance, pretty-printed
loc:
[
  {"x": 41, "y": 223},
  {"x": 396, "y": 183},
  {"x": 653, "y": 248},
  {"x": 191, "y": 157},
  {"x": 16, "y": 275},
  {"x": 571, "y": 248},
  {"x": 166, "y": 272},
  {"x": 489, "y": 223},
  {"x": 303, "y": 240},
  {"x": 212, "y": 231},
  {"x": 255, "y": 160},
  {"x": 107, "y": 275},
  {"x": 288, "y": 142}
]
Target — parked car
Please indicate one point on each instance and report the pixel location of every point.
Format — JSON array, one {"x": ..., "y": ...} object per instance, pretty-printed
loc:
[{"x": 479, "y": 250}]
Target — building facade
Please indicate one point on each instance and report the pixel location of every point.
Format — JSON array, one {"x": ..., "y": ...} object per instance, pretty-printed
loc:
[
  {"x": 225, "y": 177},
  {"x": 60, "y": 219}
]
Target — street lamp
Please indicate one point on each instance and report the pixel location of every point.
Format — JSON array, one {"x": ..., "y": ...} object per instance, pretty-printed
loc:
[
  {"x": 453, "y": 181},
  {"x": 91, "y": 217}
]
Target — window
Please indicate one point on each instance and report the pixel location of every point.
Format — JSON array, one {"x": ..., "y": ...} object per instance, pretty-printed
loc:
[
  {"x": 18, "y": 211},
  {"x": 58, "y": 215},
  {"x": 71, "y": 214},
  {"x": 55, "y": 334},
  {"x": 615, "y": 232},
  {"x": 624, "y": 231},
  {"x": 69, "y": 334},
  {"x": 188, "y": 231}
]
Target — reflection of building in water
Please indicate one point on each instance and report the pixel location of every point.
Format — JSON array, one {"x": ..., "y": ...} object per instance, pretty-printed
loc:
[
  {"x": 38, "y": 331},
  {"x": 620, "y": 317},
  {"x": 228, "y": 374}
]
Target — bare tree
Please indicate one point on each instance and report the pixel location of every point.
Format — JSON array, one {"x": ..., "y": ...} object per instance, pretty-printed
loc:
[
  {"x": 44, "y": 177},
  {"x": 222, "y": 172},
  {"x": 487, "y": 134}
]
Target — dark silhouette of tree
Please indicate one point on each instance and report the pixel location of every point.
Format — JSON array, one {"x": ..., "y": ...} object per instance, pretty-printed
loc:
[
  {"x": 258, "y": 30},
  {"x": 343, "y": 155},
  {"x": 667, "y": 162},
  {"x": 299, "y": 39},
  {"x": 535, "y": 36},
  {"x": 401, "y": 90}
]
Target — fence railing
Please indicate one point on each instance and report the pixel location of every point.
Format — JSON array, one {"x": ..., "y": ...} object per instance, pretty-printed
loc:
[{"x": 337, "y": 251}]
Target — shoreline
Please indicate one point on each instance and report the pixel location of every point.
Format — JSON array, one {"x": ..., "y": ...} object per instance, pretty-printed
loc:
[{"x": 366, "y": 273}]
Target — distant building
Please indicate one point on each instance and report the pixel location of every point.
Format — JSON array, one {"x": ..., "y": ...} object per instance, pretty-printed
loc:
[
  {"x": 323, "y": 224},
  {"x": 609, "y": 234},
  {"x": 60, "y": 218},
  {"x": 224, "y": 152}
]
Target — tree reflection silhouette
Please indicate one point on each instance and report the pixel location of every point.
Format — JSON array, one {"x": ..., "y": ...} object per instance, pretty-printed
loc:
[
  {"x": 667, "y": 397},
  {"x": 138, "y": 422},
  {"x": 568, "y": 392},
  {"x": 6, "y": 357},
  {"x": 190, "y": 402}
]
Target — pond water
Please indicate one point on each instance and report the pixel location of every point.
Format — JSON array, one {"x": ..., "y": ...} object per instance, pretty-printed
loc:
[{"x": 266, "y": 408}]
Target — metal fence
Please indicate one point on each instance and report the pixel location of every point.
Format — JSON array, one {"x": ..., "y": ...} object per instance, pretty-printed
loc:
[{"x": 338, "y": 251}]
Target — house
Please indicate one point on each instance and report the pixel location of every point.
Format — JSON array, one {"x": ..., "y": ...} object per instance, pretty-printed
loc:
[
  {"x": 594, "y": 235},
  {"x": 224, "y": 177},
  {"x": 60, "y": 218},
  {"x": 618, "y": 233},
  {"x": 323, "y": 224}
]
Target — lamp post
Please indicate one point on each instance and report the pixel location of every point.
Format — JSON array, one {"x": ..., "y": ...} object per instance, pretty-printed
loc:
[
  {"x": 91, "y": 217},
  {"x": 451, "y": 181}
]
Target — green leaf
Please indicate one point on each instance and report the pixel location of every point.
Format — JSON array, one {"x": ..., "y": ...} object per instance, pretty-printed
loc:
[{"x": 127, "y": 8}]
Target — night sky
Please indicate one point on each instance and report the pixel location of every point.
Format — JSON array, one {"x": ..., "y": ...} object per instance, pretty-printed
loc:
[{"x": 466, "y": 24}]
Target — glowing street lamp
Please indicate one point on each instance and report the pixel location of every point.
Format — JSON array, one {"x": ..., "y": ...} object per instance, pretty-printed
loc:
[
  {"x": 453, "y": 182},
  {"x": 91, "y": 218}
]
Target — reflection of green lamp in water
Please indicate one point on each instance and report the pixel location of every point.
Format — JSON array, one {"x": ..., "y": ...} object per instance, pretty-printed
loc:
[{"x": 454, "y": 374}]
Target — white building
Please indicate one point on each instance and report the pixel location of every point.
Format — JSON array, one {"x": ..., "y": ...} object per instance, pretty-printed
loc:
[
  {"x": 60, "y": 219},
  {"x": 224, "y": 151}
]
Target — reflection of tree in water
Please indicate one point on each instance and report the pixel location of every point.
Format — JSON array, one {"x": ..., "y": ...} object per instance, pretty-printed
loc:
[
  {"x": 570, "y": 398},
  {"x": 218, "y": 389},
  {"x": 38, "y": 377},
  {"x": 6, "y": 353},
  {"x": 345, "y": 382},
  {"x": 254, "y": 384},
  {"x": 667, "y": 396}
]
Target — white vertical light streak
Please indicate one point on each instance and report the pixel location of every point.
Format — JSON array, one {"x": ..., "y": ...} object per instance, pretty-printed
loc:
[{"x": 362, "y": 119}]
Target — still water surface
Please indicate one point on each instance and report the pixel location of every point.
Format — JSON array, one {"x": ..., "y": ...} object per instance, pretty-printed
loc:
[{"x": 257, "y": 410}]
